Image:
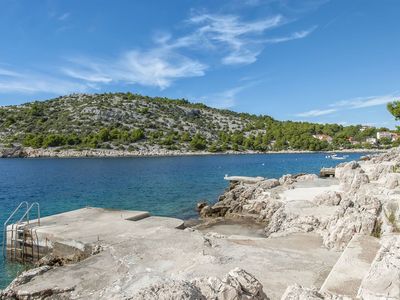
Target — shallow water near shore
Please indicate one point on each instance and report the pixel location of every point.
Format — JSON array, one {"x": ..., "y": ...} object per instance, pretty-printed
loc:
[{"x": 165, "y": 186}]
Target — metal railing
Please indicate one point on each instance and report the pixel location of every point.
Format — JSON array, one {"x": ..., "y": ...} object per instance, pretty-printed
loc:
[
  {"x": 8, "y": 220},
  {"x": 18, "y": 225},
  {"x": 26, "y": 214},
  {"x": 24, "y": 219}
]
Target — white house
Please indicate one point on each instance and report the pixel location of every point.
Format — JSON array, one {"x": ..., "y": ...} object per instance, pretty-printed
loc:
[
  {"x": 371, "y": 141},
  {"x": 383, "y": 134}
]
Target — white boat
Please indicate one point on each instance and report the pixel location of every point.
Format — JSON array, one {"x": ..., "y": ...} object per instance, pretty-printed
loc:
[{"x": 336, "y": 157}]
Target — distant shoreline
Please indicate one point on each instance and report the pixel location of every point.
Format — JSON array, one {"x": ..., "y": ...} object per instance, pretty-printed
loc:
[{"x": 108, "y": 153}]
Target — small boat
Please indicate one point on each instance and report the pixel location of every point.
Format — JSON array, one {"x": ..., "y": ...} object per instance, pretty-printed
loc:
[{"x": 336, "y": 157}]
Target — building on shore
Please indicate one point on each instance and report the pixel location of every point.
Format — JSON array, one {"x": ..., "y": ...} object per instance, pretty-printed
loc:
[
  {"x": 371, "y": 140},
  {"x": 323, "y": 137},
  {"x": 388, "y": 135}
]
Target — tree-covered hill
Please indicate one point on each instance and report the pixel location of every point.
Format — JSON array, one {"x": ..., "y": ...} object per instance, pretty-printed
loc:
[{"x": 126, "y": 121}]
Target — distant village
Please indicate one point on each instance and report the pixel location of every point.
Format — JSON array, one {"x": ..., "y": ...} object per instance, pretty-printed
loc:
[{"x": 381, "y": 138}]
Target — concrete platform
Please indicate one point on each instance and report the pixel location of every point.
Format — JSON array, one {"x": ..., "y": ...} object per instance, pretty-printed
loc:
[
  {"x": 136, "y": 254},
  {"x": 80, "y": 229},
  {"x": 354, "y": 263}
]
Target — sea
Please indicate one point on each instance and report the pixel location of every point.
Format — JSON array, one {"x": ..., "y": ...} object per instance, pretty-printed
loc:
[{"x": 164, "y": 186}]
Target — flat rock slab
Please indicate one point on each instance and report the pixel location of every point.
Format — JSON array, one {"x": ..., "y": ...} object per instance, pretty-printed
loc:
[
  {"x": 90, "y": 225},
  {"x": 152, "y": 249},
  {"x": 306, "y": 193},
  {"x": 354, "y": 263}
]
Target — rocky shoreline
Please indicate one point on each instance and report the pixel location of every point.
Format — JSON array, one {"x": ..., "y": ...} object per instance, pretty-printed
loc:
[
  {"x": 28, "y": 152},
  {"x": 317, "y": 243}
]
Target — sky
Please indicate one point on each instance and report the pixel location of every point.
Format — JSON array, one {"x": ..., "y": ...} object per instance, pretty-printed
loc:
[{"x": 334, "y": 61}]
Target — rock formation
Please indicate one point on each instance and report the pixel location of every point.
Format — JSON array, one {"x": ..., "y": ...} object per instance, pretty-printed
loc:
[
  {"x": 237, "y": 284},
  {"x": 364, "y": 200}
]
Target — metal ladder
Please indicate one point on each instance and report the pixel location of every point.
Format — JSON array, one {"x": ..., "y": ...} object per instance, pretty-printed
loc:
[{"x": 22, "y": 235}]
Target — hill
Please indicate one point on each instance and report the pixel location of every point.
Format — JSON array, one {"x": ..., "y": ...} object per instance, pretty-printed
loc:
[{"x": 132, "y": 122}]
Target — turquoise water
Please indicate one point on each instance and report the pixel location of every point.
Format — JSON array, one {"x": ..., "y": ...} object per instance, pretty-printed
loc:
[{"x": 167, "y": 186}]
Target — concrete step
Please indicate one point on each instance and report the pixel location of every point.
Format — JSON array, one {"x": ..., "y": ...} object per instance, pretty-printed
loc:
[{"x": 347, "y": 274}]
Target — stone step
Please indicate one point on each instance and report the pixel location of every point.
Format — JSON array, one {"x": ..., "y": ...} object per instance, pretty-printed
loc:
[{"x": 347, "y": 274}]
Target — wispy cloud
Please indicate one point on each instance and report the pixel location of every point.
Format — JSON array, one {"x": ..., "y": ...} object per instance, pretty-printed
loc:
[
  {"x": 316, "y": 112},
  {"x": 354, "y": 103},
  {"x": 241, "y": 40},
  {"x": 294, "y": 36},
  {"x": 27, "y": 82},
  {"x": 158, "y": 67},
  {"x": 225, "y": 99},
  {"x": 362, "y": 102},
  {"x": 232, "y": 40},
  {"x": 8, "y": 73},
  {"x": 209, "y": 41},
  {"x": 228, "y": 98}
]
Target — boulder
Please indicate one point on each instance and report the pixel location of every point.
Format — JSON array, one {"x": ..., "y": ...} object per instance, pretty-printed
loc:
[
  {"x": 170, "y": 290},
  {"x": 287, "y": 179},
  {"x": 268, "y": 184},
  {"x": 236, "y": 285}
]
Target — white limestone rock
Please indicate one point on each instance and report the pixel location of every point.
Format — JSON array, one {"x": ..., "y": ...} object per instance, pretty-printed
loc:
[
  {"x": 351, "y": 175},
  {"x": 237, "y": 285},
  {"x": 297, "y": 292},
  {"x": 392, "y": 180},
  {"x": 287, "y": 179},
  {"x": 282, "y": 223},
  {"x": 331, "y": 198},
  {"x": 306, "y": 177},
  {"x": 383, "y": 278},
  {"x": 357, "y": 216},
  {"x": 170, "y": 290}
]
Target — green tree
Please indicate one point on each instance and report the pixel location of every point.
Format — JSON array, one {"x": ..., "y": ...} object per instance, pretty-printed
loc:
[
  {"x": 394, "y": 109},
  {"x": 104, "y": 135},
  {"x": 198, "y": 142},
  {"x": 53, "y": 140},
  {"x": 137, "y": 134},
  {"x": 185, "y": 137}
]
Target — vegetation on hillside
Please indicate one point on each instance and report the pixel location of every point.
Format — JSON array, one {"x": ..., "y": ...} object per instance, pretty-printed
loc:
[{"x": 127, "y": 121}]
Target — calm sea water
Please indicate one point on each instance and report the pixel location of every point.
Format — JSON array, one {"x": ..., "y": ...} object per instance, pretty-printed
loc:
[{"x": 166, "y": 186}]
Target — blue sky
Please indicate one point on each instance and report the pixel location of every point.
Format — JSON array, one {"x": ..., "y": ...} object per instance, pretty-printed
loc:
[{"x": 310, "y": 60}]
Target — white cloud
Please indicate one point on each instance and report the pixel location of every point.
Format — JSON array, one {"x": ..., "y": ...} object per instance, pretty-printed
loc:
[
  {"x": 354, "y": 103},
  {"x": 235, "y": 41},
  {"x": 294, "y": 36},
  {"x": 362, "y": 102},
  {"x": 8, "y": 73},
  {"x": 225, "y": 99},
  {"x": 33, "y": 84},
  {"x": 316, "y": 112},
  {"x": 28, "y": 82},
  {"x": 158, "y": 67},
  {"x": 228, "y": 98},
  {"x": 87, "y": 75},
  {"x": 228, "y": 38},
  {"x": 242, "y": 41}
]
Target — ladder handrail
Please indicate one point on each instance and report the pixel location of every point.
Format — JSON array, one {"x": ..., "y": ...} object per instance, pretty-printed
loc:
[
  {"x": 9, "y": 218},
  {"x": 27, "y": 213}
]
